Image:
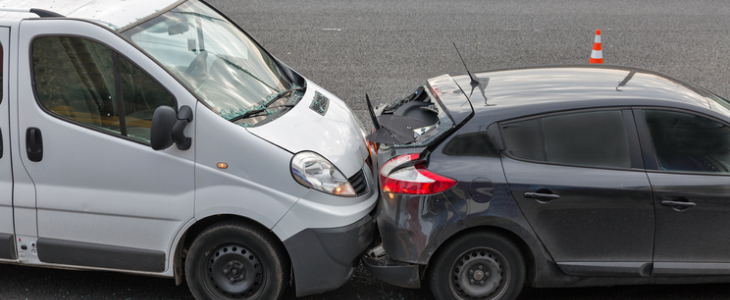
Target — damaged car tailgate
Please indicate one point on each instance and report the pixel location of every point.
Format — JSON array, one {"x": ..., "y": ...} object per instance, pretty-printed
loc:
[{"x": 422, "y": 117}]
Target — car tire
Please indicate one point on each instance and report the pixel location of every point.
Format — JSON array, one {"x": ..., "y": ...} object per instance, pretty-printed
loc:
[
  {"x": 479, "y": 265},
  {"x": 235, "y": 260}
]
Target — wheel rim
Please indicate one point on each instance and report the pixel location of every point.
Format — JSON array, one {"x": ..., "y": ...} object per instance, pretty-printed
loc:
[
  {"x": 479, "y": 273},
  {"x": 233, "y": 271}
]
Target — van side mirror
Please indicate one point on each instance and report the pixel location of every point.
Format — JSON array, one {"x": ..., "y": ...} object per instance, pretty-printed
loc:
[{"x": 168, "y": 127}]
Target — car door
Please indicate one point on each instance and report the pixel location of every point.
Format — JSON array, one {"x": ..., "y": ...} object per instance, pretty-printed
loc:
[
  {"x": 7, "y": 230},
  {"x": 103, "y": 196},
  {"x": 579, "y": 180},
  {"x": 688, "y": 163}
]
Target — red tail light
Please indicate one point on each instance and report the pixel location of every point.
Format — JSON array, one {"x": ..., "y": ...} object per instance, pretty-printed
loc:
[{"x": 414, "y": 180}]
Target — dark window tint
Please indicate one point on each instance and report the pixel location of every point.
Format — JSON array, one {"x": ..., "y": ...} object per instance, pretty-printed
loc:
[
  {"x": 689, "y": 143},
  {"x": 587, "y": 139},
  {"x": 471, "y": 144},
  {"x": 77, "y": 79},
  {"x": 523, "y": 140},
  {"x": 595, "y": 139},
  {"x": 142, "y": 96}
]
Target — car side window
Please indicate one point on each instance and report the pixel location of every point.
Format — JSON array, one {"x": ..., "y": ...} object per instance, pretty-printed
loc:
[
  {"x": 688, "y": 143},
  {"x": 591, "y": 139},
  {"x": 471, "y": 144},
  {"x": 86, "y": 82}
]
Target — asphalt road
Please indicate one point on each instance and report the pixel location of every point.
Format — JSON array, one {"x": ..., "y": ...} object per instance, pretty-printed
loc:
[{"x": 388, "y": 48}]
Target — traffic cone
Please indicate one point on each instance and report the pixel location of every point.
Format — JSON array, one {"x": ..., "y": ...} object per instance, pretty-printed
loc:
[{"x": 597, "y": 54}]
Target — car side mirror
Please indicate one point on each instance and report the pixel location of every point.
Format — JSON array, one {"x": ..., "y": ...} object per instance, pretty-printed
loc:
[{"x": 168, "y": 127}]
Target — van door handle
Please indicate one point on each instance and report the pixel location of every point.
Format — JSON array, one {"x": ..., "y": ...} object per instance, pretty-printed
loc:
[
  {"x": 34, "y": 144},
  {"x": 1, "y": 143}
]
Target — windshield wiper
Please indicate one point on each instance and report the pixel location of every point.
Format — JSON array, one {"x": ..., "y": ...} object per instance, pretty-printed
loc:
[
  {"x": 248, "y": 114},
  {"x": 265, "y": 106},
  {"x": 255, "y": 112},
  {"x": 281, "y": 94}
]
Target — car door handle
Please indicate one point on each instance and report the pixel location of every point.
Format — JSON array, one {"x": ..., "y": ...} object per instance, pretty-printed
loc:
[
  {"x": 541, "y": 196},
  {"x": 34, "y": 144},
  {"x": 678, "y": 205},
  {"x": 1, "y": 143}
]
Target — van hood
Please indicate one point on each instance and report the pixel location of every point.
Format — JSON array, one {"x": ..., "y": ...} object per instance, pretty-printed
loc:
[{"x": 322, "y": 123}]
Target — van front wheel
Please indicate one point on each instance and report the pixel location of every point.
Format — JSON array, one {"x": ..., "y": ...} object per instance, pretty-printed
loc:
[{"x": 234, "y": 260}]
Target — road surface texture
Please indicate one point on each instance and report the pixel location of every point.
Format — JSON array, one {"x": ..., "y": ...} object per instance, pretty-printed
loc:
[{"x": 388, "y": 48}]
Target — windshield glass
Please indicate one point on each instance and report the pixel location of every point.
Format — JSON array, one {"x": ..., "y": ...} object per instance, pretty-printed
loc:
[{"x": 218, "y": 62}]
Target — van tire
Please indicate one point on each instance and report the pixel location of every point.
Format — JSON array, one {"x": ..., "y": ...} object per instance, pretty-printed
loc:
[
  {"x": 478, "y": 265},
  {"x": 235, "y": 260}
]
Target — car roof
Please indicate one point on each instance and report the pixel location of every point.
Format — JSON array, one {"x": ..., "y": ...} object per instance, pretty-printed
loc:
[
  {"x": 516, "y": 92},
  {"x": 114, "y": 13},
  {"x": 585, "y": 83}
]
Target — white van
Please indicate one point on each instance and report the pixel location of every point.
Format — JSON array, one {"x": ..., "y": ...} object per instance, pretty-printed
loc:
[{"x": 158, "y": 138}]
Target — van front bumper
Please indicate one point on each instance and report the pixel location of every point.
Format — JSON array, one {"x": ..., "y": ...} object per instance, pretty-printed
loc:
[{"x": 325, "y": 258}]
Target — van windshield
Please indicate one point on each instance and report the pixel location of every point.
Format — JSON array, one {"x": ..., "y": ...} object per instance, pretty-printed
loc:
[{"x": 218, "y": 62}]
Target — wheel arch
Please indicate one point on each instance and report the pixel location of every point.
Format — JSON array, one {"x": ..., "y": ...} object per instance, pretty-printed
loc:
[
  {"x": 527, "y": 252},
  {"x": 187, "y": 238}
]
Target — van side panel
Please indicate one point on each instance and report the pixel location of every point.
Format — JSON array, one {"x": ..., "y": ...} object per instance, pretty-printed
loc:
[
  {"x": 96, "y": 190},
  {"x": 257, "y": 183},
  {"x": 7, "y": 231}
]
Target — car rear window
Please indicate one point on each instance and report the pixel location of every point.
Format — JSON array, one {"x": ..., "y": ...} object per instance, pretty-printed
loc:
[{"x": 592, "y": 139}]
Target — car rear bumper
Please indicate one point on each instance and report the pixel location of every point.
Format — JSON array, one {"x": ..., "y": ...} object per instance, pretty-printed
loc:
[{"x": 325, "y": 258}]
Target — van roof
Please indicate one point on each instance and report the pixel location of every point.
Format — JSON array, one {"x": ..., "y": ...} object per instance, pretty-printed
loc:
[{"x": 113, "y": 13}]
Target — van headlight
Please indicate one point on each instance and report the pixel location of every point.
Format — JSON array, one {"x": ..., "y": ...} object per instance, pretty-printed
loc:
[{"x": 314, "y": 171}]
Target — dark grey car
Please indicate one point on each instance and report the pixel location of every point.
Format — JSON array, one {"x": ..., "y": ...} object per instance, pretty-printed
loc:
[{"x": 552, "y": 177}]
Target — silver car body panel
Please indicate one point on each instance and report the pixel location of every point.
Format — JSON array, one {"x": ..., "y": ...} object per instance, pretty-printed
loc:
[
  {"x": 257, "y": 183},
  {"x": 114, "y": 184},
  {"x": 336, "y": 135},
  {"x": 94, "y": 189},
  {"x": 6, "y": 175}
]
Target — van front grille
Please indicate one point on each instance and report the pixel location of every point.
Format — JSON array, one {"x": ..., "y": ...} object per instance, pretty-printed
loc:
[{"x": 358, "y": 182}]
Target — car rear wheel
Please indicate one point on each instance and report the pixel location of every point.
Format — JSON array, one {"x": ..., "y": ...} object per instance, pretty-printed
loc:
[
  {"x": 234, "y": 260},
  {"x": 480, "y": 265}
]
